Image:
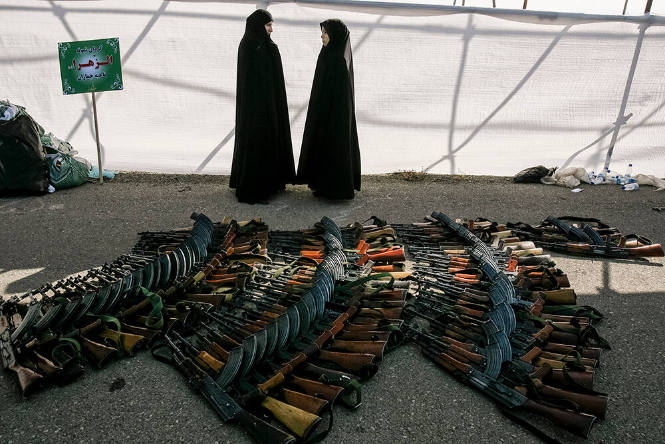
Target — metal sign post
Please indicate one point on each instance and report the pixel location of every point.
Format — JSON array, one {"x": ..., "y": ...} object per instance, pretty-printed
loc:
[{"x": 91, "y": 66}]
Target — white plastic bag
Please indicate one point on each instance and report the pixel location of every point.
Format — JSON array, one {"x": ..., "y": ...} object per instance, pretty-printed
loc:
[
  {"x": 567, "y": 177},
  {"x": 644, "y": 179}
]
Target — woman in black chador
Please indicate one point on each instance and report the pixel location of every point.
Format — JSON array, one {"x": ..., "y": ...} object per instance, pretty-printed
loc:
[
  {"x": 330, "y": 157},
  {"x": 263, "y": 155}
]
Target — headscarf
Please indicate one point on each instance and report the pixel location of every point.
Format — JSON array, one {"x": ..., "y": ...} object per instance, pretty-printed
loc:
[
  {"x": 339, "y": 44},
  {"x": 255, "y": 25}
]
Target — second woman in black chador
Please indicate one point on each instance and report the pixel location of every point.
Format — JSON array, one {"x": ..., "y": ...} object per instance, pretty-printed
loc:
[
  {"x": 263, "y": 155},
  {"x": 330, "y": 157}
]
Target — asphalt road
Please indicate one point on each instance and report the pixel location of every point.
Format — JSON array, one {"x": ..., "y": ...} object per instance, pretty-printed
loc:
[{"x": 45, "y": 238}]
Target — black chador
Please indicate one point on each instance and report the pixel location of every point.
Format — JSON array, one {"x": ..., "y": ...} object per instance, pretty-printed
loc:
[
  {"x": 330, "y": 157},
  {"x": 263, "y": 155}
]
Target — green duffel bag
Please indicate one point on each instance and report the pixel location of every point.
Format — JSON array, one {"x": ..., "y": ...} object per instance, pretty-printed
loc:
[{"x": 65, "y": 171}]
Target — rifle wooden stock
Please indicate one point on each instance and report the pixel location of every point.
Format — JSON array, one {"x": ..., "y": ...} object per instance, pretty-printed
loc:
[
  {"x": 578, "y": 423},
  {"x": 250, "y": 328},
  {"x": 567, "y": 327},
  {"x": 207, "y": 361},
  {"x": 556, "y": 364},
  {"x": 46, "y": 366},
  {"x": 564, "y": 296},
  {"x": 215, "y": 346},
  {"x": 466, "y": 355},
  {"x": 276, "y": 309},
  {"x": 563, "y": 379},
  {"x": 653, "y": 250},
  {"x": 218, "y": 351},
  {"x": 369, "y": 326},
  {"x": 463, "y": 345},
  {"x": 147, "y": 333},
  {"x": 468, "y": 311},
  {"x": 544, "y": 333},
  {"x": 375, "y": 348},
  {"x": 99, "y": 353},
  {"x": 540, "y": 372},
  {"x": 455, "y": 335},
  {"x": 593, "y": 404},
  {"x": 276, "y": 380},
  {"x": 536, "y": 308},
  {"x": 564, "y": 338},
  {"x": 388, "y": 268},
  {"x": 504, "y": 240},
  {"x": 315, "y": 388},
  {"x": 362, "y": 364},
  {"x": 303, "y": 401},
  {"x": 569, "y": 358},
  {"x": 454, "y": 251},
  {"x": 518, "y": 245},
  {"x": 587, "y": 352},
  {"x": 131, "y": 311},
  {"x": 475, "y": 298},
  {"x": 448, "y": 362},
  {"x": 531, "y": 355},
  {"x": 368, "y": 236},
  {"x": 397, "y": 275},
  {"x": 528, "y": 252},
  {"x": 501, "y": 234},
  {"x": 298, "y": 421},
  {"x": 27, "y": 379},
  {"x": 228, "y": 341},
  {"x": 242, "y": 248},
  {"x": 127, "y": 342}
]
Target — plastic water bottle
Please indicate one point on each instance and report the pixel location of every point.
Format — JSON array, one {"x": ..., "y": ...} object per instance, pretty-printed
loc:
[
  {"x": 629, "y": 174},
  {"x": 630, "y": 186},
  {"x": 609, "y": 177},
  {"x": 599, "y": 179}
]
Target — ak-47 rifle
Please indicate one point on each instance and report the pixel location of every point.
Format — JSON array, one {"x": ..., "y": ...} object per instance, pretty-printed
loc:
[
  {"x": 27, "y": 378},
  {"x": 653, "y": 250},
  {"x": 223, "y": 404},
  {"x": 510, "y": 398}
]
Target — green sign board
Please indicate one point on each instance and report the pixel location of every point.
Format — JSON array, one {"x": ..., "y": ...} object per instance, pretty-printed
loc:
[{"x": 90, "y": 65}]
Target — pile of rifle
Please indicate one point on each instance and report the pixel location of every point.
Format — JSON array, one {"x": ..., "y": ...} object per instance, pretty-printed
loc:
[
  {"x": 584, "y": 237},
  {"x": 509, "y": 329},
  {"x": 274, "y": 328},
  {"x": 275, "y": 344},
  {"x": 48, "y": 334}
]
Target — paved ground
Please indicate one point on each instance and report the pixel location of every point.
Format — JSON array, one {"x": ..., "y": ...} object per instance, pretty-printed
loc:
[{"x": 44, "y": 238}]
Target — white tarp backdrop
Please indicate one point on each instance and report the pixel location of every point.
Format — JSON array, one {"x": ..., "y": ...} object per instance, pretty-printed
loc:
[{"x": 438, "y": 89}]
